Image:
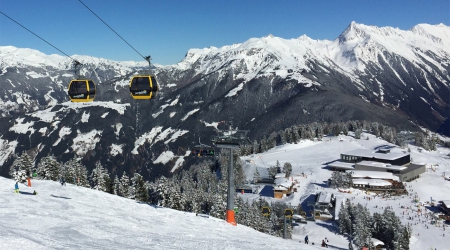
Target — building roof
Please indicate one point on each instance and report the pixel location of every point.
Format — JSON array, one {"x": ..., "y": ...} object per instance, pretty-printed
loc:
[
  {"x": 373, "y": 174},
  {"x": 285, "y": 182},
  {"x": 278, "y": 188},
  {"x": 280, "y": 175},
  {"x": 446, "y": 203},
  {"x": 372, "y": 182},
  {"x": 323, "y": 197},
  {"x": 373, "y": 154},
  {"x": 342, "y": 165},
  {"x": 381, "y": 165}
]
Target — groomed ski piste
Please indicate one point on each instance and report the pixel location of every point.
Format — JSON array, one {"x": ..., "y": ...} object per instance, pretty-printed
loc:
[{"x": 71, "y": 217}]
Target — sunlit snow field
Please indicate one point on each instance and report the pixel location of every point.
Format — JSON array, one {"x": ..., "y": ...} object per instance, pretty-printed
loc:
[{"x": 71, "y": 217}]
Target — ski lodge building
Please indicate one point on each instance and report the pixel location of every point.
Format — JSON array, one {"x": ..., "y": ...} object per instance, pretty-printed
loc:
[
  {"x": 381, "y": 160},
  {"x": 283, "y": 186}
]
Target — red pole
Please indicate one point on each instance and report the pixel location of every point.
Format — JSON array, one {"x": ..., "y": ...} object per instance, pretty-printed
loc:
[{"x": 29, "y": 181}]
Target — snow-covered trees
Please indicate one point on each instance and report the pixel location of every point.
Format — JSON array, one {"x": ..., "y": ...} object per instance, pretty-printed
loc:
[
  {"x": 272, "y": 171},
  {"x": 287, "y": 168},
  {"x": 341, "y": 180},
  {"x": 124, "y": 186},
  {"x": 356, "y": 221},
  {"x": 140, "y": 188},
  {"x": 100, "y": 178},
  {"x": 21, "y": 168},
  {"x": 256, "y": 175},
  {"x": 49, "y": 169}
]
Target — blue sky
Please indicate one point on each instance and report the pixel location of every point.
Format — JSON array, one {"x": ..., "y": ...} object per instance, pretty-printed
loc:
[{"x": 167, "y": 29}]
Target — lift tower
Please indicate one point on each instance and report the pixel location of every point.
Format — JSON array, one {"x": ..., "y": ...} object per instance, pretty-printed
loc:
[{"x": 230, "y": 139}]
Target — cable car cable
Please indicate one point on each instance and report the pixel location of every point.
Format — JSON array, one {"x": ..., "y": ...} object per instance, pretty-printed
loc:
[
  {"x": 111, "y": 29},
  {"x": 142, "y": 87},
  {"x": 79, "y": 90},
  {"x": 37, "y": 36}
]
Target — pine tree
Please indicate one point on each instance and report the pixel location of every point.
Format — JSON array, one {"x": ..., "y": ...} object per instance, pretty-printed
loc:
[
  {"x": 48, "y": 168},
  {"x": 272, "y": 171},
  {"x": 295, "y": 134},
  {"x": 287, "y": 168},
  {"x": 124, "y": 187},
  {"x": 344, "y": 220},
  {"x": 162, "y": 191},
  {"x": 100, "y": 178},
  {"x": 141, "y": 191},
  {"x": 256, "y": 176},
  {"x": 288, "y": 134},
  {"x": 21, "y": 168},
  {"x": 256, "y": 148},
  {"x": 358, "y": 133},
  {"x": 116, "y": 186}
]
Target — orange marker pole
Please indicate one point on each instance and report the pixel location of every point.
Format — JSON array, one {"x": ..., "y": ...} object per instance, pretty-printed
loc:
[{"x": 29, "y": 181}]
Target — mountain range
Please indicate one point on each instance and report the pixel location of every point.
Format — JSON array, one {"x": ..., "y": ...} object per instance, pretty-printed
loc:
[{"x": 396, "y": 77}]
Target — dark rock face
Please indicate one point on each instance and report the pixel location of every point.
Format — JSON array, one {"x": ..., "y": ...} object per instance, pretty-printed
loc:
[{"x": 258, "y": 88}]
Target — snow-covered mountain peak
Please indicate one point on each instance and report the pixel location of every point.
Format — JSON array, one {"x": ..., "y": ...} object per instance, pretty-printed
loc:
[
  {"x": 11, "y": 56},
  {"x": 436, "y": 33}
]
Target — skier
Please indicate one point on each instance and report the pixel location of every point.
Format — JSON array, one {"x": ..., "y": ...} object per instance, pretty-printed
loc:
[
  {"x": 63, "y": 181},
  {"x": 306, "y": 239},
  {"x": 34, "y": 192},
  {"x": 16, "y": 188}
]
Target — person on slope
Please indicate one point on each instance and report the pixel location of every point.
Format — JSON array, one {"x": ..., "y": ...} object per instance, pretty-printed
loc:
[
  {"x": 306, "y": 239},
  {"x": 16, "y": 188}
]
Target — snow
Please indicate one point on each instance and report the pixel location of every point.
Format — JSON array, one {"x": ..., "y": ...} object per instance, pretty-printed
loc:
[
  {"x": 62, "y": 132},
  {"x": 22, "y": 128},
  {"x": 177, "y": 164},
  {"x": 370, "y": 153},
  {"x": 234, "y": 91},
  {"x": 118, "y": 128},
  {"x": 189, "y": 113},
  {"x": 48, "y": 116},
  {"x": 116, "y": 149},
  {"x": 312, "y": 157},
  {"x": 85, "y": 142},
  {"x": 165, "y": 157},
  {"x": 7, "y": 150},
  {"x": 71, "y": 217},
  {"x": 148, "y": 136},
  {"x": 212, "y": 124},
  {"x": 85, "y": 117},
  {"x": 24, "y": 57}
]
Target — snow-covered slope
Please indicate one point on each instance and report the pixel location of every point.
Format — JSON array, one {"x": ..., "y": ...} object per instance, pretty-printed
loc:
[{"x": 71, "y": 217}]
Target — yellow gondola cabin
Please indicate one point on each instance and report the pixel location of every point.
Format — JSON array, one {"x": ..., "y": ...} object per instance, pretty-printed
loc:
[
  {"x": 143, "y": 87},
  {"x": 81, "y": 90}
]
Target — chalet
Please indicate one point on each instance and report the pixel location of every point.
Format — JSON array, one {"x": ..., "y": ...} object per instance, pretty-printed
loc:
[
  {"x": 323, "y": 202},
  {"x": 283, "y": 186}
]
